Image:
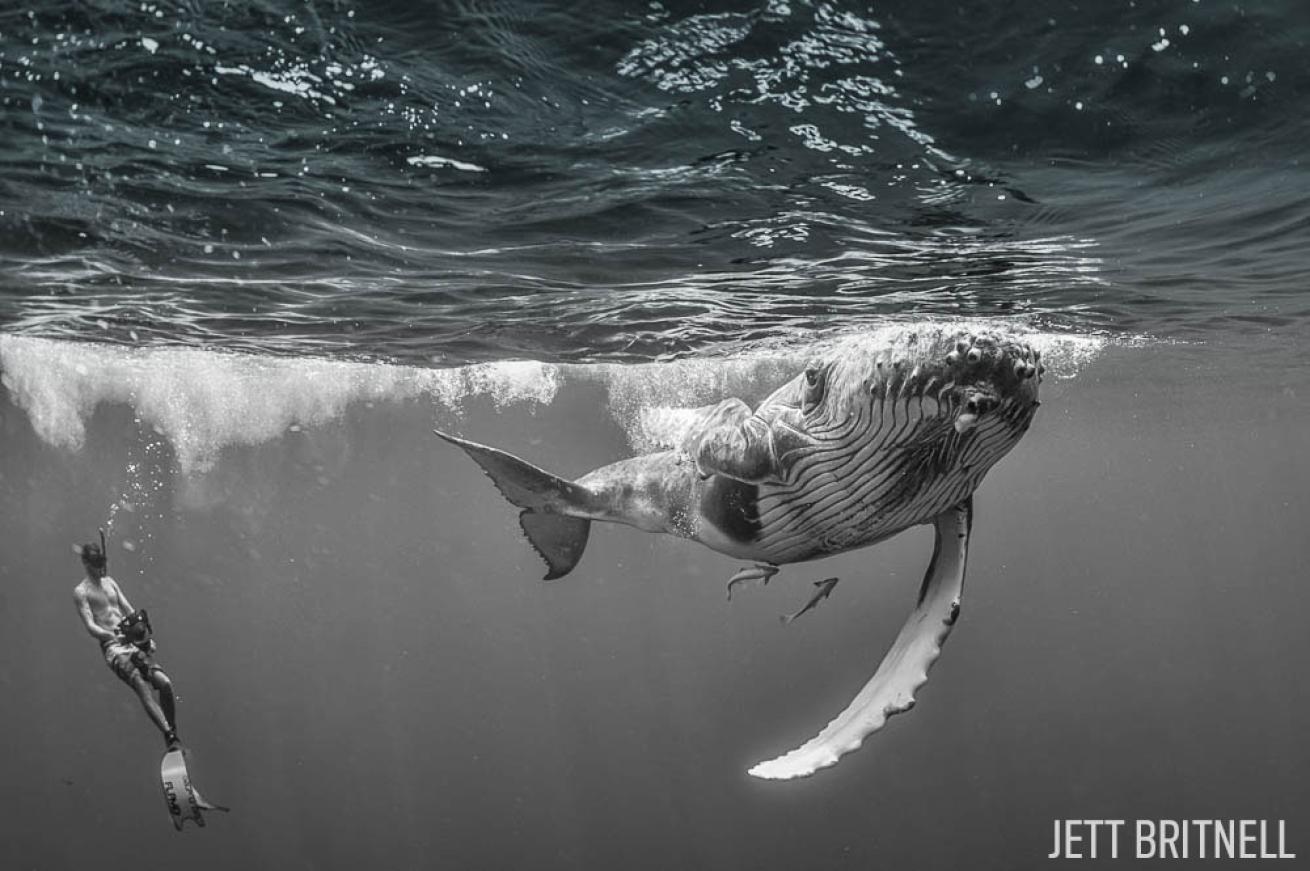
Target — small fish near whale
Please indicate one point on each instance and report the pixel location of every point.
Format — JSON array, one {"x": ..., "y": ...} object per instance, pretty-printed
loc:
[{"x": 875, "y": 437}]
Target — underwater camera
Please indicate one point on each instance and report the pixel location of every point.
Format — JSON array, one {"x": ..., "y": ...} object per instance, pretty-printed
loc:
[{"x": 135, "y": 627}]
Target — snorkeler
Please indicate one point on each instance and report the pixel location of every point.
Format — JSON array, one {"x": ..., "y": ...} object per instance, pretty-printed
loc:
[{"x": 124, "y": 636}]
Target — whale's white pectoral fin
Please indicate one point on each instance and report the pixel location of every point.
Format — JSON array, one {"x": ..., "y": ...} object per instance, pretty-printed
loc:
[{"x": 905, "y": 667}]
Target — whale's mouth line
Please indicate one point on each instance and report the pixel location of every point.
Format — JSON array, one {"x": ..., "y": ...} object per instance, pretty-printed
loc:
[
  {"x": 887, "y": 468},
  {"x": 965, "y": 404}
]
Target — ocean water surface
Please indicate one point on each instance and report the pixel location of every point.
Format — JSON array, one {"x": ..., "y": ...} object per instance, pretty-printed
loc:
[{"x": 252, "y": 253}]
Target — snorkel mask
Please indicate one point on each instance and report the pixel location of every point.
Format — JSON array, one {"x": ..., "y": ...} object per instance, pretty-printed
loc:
[{"x": 96, "y": 556}]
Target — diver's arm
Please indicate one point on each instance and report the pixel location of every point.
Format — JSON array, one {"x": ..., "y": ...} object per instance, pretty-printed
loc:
[
  {"x": 122, "y": 597},
  {"x": 149, "y": 645},
  {"x": 98, "y": 632}
]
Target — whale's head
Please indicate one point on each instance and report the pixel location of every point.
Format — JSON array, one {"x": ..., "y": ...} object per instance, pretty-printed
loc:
[
  {"x": 881, "y": 433},
  {"x": 878, "y": 435},
  {"x": 969, "y": 377},
  {"x": 920, "y": 389}
]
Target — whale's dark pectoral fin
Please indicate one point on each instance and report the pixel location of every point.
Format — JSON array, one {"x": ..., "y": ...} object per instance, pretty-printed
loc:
[
  {"x": 730, "y": 440},
  {"x": 558, "y": 538},
  {"x": 904, "y": 668}
]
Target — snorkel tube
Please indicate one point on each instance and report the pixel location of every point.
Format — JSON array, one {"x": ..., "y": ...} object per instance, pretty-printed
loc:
[{"x": 92, "y": 557}]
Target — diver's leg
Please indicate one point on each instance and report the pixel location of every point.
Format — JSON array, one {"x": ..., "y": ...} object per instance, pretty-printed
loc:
[
  {"x": 155, "y": 712},
  {"x": 167, "y": 700}
]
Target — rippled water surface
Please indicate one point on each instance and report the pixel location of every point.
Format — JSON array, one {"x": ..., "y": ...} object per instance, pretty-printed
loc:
[{"x": 461, "y": 181}]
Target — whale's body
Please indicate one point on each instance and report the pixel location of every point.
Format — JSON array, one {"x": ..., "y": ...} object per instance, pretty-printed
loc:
[{"x": 865, "y": 443}]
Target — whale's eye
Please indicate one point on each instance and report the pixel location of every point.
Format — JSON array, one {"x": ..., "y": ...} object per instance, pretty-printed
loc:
[{"x": 814, "y": 384}]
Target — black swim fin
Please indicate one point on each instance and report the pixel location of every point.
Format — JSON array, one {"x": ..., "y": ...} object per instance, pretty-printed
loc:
[{"x": 549, "y": 503}]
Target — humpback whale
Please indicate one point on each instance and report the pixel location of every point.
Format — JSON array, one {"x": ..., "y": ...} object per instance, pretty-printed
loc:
[{"x": 872, "y": 438}]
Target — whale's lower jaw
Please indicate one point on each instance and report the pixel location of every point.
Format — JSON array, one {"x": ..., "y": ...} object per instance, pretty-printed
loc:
[
  {"x": 905, "y": 666},
  {"x": 860, "y": 487}
]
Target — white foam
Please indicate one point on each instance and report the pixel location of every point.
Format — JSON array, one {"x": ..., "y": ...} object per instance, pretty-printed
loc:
[
  {"x": 203, "y": 401},
  {"x": 1064, "y": 354},
  {"x": 656, "y": 404}
]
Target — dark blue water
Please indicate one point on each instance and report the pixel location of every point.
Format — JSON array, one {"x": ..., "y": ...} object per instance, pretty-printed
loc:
[
  {"x": 467, "y": 181},
  {"x": 251, "y": 253}
]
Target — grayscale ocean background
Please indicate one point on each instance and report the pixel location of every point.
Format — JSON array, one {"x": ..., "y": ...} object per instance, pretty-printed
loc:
[{"x": 252, "y": 252}]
